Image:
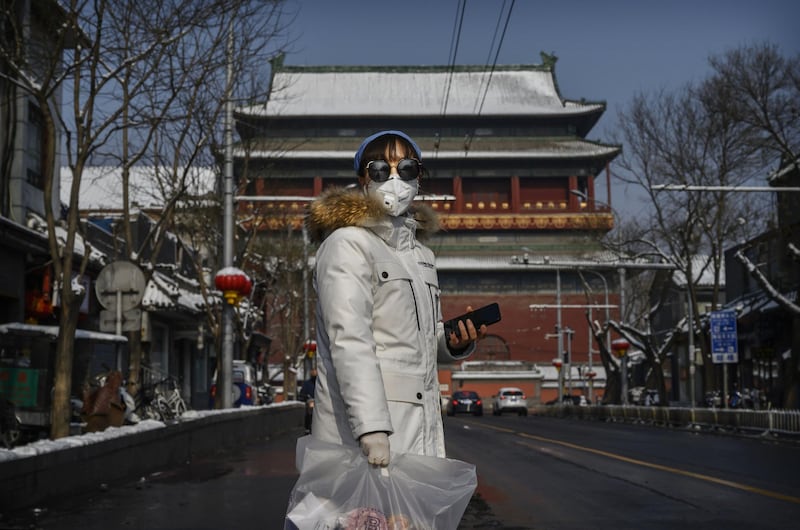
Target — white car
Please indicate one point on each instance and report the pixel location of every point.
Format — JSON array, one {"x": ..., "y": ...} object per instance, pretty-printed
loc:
[{"x": 510, "y": 399}]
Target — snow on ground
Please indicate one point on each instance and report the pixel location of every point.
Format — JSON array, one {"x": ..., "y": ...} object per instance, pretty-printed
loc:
[{"x": 47, "y": 446}]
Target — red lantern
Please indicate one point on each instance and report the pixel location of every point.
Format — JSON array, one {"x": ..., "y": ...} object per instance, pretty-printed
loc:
[
  {"x": 620, "y": 347},
  {"x": 233, "y": 283},
  {"x": 310, "y": 346},
  {"x": 557, "y": 363}
]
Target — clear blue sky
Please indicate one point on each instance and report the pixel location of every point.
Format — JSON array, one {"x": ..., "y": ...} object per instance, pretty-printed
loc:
[{"x": 607, "y": 49}]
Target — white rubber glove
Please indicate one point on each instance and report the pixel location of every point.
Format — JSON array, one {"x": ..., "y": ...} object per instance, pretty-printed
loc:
[{"x": 376, "y": 446}]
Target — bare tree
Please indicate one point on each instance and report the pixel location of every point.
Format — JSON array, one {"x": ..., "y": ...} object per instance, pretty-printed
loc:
[
  {"x": 687, "y": 137},
  {"x": 143, "y": 80},
  {"x": 760, "y": 88},
  {"x": 279, "y": 257},
  {"x": 177, "y": 125}
]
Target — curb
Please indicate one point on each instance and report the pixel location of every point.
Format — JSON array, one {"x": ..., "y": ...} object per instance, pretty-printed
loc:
[{"x": 27, "y": 481}]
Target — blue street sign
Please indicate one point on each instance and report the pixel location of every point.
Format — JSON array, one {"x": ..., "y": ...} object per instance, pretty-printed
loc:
[{"x": 724, "y": 340}]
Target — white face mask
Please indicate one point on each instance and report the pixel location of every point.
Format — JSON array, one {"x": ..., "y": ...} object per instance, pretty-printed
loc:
[{"x": 397, "y": 194}]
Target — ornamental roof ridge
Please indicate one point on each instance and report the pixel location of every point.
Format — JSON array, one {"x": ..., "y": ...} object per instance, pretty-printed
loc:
[{"x": 470, "y": 68}]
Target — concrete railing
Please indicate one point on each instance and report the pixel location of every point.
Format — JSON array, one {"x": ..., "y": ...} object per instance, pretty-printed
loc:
[
  {"x": 30, "y": 480},
  {"x": 785, "y": 422}
]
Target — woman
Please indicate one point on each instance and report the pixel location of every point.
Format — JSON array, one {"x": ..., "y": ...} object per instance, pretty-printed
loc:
[{"x": 379, "y": 322}]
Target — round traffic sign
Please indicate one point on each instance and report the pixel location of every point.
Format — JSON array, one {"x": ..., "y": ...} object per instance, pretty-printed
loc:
[{"x": 123, "y": 277}]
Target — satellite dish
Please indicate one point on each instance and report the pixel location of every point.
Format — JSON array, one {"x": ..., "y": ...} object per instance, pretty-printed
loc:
[{"x": 120, "y": 277}]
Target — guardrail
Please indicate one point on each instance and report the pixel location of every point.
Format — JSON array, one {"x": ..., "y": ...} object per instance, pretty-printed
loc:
[{"x": 785, "y": 422}]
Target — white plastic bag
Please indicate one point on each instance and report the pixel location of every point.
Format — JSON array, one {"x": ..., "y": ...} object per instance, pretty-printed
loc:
[{"x": 338, "y": 490}]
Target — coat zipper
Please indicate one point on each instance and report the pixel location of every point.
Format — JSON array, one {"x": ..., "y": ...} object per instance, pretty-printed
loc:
[
  {"x": 416, "y": 308},
  {"x": 434, "y": 304}
]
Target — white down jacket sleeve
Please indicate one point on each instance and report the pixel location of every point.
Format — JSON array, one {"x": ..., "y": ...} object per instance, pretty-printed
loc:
[{"x": 352, "y": 386}]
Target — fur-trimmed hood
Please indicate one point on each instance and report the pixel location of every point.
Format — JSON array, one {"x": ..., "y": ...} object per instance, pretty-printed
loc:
[{"x": 340, "y": 207}]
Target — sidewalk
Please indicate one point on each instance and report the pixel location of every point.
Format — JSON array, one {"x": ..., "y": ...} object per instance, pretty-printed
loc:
[{"x": 245, "y": 488}]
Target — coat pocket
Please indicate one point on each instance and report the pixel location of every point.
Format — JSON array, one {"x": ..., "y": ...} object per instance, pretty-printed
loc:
[
  {"x": 387, "y": 271},
  {"x": 431, "y": 278},
  {"x": 403, "y": 387}
]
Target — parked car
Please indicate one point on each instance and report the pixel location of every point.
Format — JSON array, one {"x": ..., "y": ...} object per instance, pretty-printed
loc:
[
  {"x": 510, "y": 399},
  {"x": 243, "y": 385},
  {"x": 465, "y": 401}
]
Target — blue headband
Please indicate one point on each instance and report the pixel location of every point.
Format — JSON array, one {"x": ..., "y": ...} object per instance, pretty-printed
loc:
[{"x": 368, "y": 140}]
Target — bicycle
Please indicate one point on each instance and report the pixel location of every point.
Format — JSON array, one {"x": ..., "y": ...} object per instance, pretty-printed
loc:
[
  {"x": 171, "y": 403},
  {"x": 161, "y": 405}
]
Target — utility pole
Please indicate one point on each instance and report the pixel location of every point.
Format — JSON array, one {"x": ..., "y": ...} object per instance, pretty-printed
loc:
[
  {"x": 624, "y": 359},
  {"x": 226, "y": 363},
  {"x": 568, "y": 364},
  {"x": 560, "y": 338}
]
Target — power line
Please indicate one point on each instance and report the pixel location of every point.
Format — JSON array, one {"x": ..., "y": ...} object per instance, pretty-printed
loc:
[
  {"x": 686, "y": 187},
  {"x": 496, "y": 56},
  {"x": 454, "y": 42},
  {"x": 489, "y": 57},
  {"x": 468, "y": 143}
]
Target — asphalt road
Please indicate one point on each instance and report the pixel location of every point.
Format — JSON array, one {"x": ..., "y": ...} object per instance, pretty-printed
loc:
[
  {"x": 559, "y": 474},
  {"x": 533, "y": 473}
]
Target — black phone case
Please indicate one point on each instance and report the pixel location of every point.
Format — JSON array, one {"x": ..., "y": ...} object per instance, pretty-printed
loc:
[{"x": 488, "y": 314}]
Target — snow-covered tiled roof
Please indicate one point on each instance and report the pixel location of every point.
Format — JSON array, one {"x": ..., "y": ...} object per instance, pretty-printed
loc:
[
  {"x": 499, "y": 262},
  {"x": 150, "y": 186},
  {"x": 163, "y": 292},
  {"x": 418, "y": 91},
  {"x": 39, "y": 225}
]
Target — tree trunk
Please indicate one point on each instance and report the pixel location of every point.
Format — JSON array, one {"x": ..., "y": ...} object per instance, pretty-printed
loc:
[
  {"x": 134, "y": 362},
  {"x": 62, "y": 381}
]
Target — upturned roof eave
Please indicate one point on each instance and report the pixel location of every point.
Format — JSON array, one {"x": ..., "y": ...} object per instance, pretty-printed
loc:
[
  {"x": 261, "y": 113},
  {"x": 609, "y": 152}
]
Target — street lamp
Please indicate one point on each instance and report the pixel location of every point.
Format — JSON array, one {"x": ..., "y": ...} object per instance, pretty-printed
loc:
[{"x": 620, "y": 347}]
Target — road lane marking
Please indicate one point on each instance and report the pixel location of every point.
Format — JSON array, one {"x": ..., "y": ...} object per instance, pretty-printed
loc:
[{"x": 668, "y": 469}]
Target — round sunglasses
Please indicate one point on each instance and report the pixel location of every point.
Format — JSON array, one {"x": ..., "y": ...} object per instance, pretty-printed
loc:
[{"x": 407, "y": 169}]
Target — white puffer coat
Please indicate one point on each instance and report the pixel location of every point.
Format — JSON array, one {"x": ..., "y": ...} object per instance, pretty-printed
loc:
[{"x": 379, "y": 329}]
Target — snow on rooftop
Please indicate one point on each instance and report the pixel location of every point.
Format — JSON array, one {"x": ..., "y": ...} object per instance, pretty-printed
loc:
[
  {"x": 100, "y": 187},
  {"x": 163, "y": 292},
  {"x": 702, "y": 272},
  {"x": 500, "y": 262},
  {"x": 39, "y": 225},
  {"x": 52, "y": 332},
  {"x": 415, "y": 91}
]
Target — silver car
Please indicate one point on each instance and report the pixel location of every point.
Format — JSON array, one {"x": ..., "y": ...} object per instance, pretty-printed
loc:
[{"x": 510, "y": 399}]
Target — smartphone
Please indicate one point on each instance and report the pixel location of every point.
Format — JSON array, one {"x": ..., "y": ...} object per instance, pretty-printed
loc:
[{"x": 488, "y": 314}]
